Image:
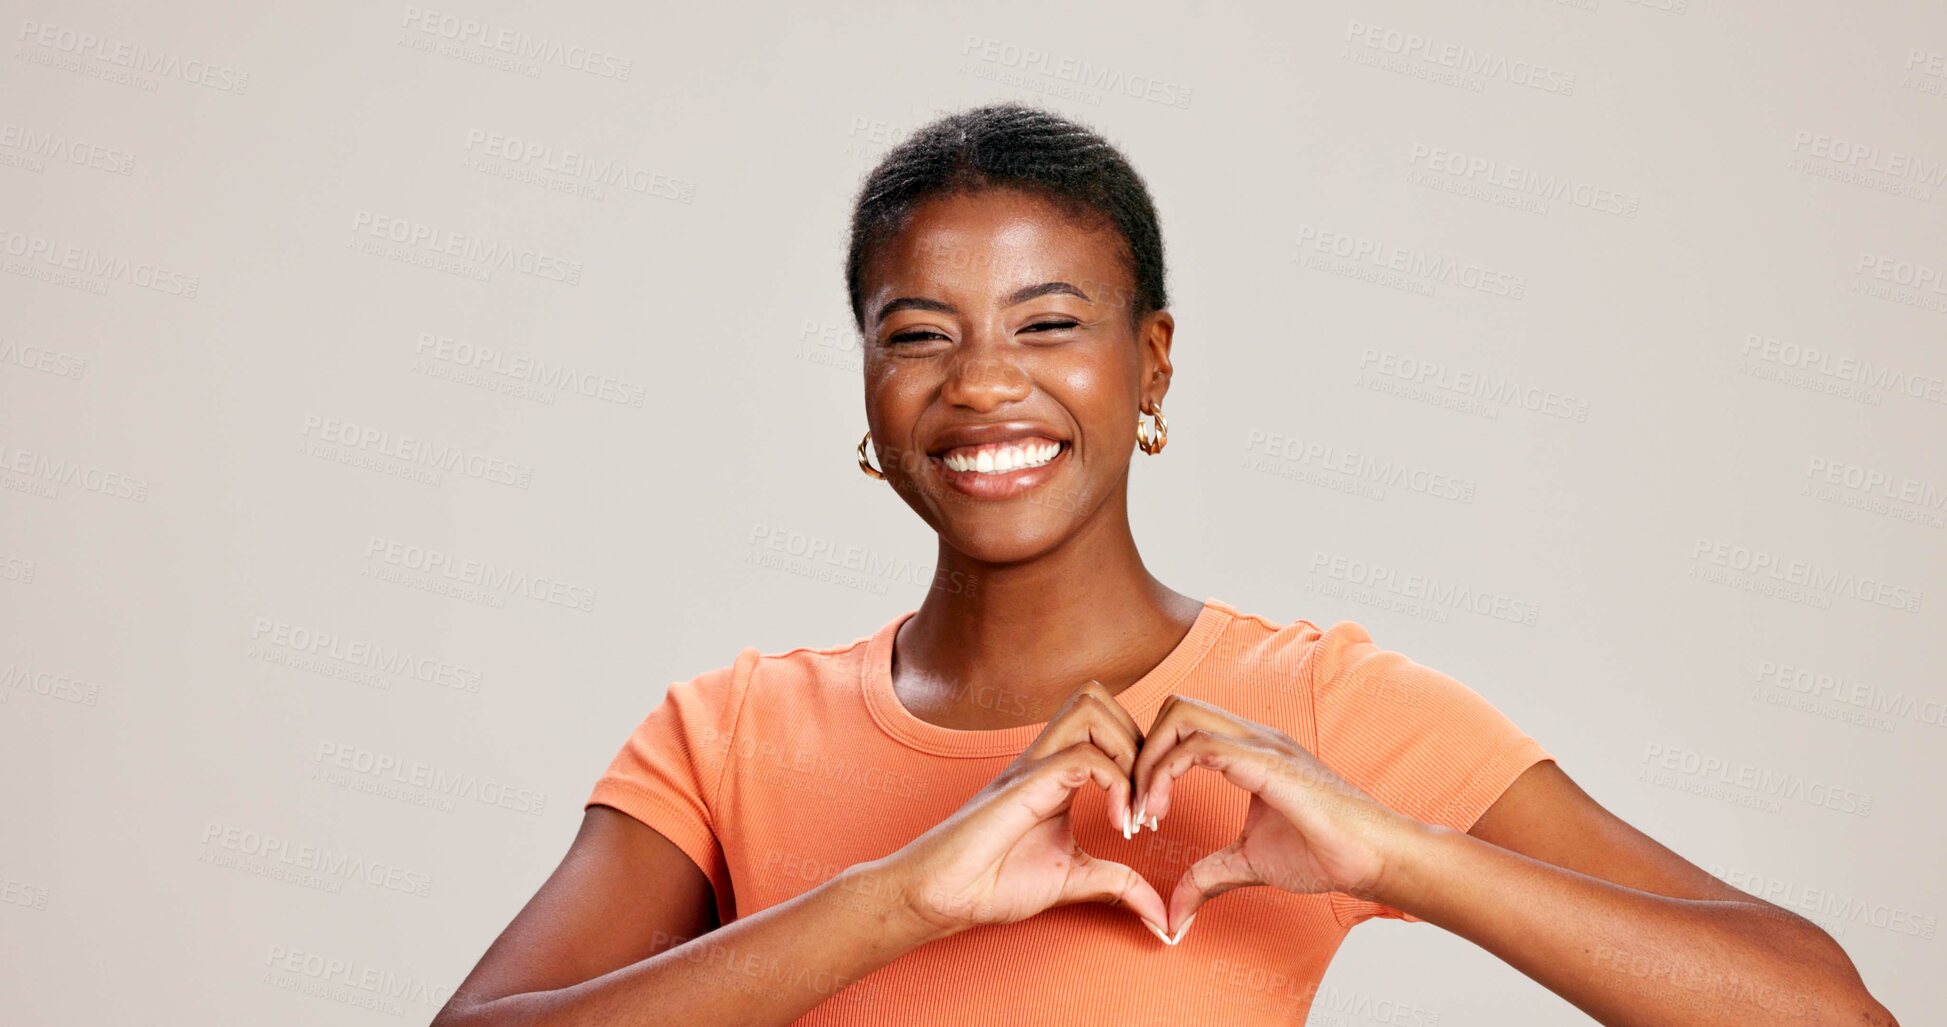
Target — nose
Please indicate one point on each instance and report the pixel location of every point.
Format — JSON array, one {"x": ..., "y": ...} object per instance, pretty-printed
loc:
[{"x": 981, "y": 380}]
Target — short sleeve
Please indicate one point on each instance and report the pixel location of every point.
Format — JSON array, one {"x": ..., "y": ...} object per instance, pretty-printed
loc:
[
  {"x": 668, "y": 771},
  {"x": 1411, "y": 737}
]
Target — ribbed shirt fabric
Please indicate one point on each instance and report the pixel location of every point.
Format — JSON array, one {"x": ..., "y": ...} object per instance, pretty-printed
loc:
[{"x": 776, "y": 772}]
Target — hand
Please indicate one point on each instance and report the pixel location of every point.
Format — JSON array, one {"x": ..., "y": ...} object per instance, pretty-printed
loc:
[
  {"x": 1010, "y": 851},
  {"x": 1307, "y": 830}
]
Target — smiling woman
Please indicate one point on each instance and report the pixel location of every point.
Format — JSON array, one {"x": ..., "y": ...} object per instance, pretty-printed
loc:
[
  {"x": 957, "y": 373},
  {"x": 941, "y": 820}
]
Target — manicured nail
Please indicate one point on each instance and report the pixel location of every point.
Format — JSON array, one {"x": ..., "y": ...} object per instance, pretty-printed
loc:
[
  {"x": 1158, "y": 932},
  {"x": 1152, "y": 823},
  {"x": 1126, "y": 832},
  {"x": 1181, "y": 931},
  {"x": 1139, "y": 814}
]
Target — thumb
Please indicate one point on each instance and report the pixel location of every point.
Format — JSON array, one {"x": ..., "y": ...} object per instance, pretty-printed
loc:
[
  {"x": 1104, "y": 880},
  {"x": 1208, "y": 878}
]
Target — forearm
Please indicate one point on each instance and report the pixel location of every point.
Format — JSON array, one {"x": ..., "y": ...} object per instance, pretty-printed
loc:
[
  {"x": 767, "y": 968},
  {"x": 1624, "y": 956}
]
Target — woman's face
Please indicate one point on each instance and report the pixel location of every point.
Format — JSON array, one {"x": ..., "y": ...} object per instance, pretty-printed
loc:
[{"x": 1002, "y": 374}]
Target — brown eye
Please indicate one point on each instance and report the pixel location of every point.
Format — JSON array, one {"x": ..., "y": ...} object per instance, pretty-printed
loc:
[
  {"x": 915, "y": 335},
  {"x": 1050, "y": 326}
]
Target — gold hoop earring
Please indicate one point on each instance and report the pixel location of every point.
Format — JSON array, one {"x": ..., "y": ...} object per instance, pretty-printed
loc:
[
  {"x": 866, "y": 465},
  {"x": 1155, "y": 445}
]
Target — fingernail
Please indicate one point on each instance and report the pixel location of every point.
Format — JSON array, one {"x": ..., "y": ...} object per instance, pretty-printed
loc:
[
  {"x": 1158, "y": 932},
  {"x": 1152, "y": 823},
  {"x": 1139, "y": 814},
  {"x": 1126, "y": 832},
  {"x": 1181, "y": 931}
]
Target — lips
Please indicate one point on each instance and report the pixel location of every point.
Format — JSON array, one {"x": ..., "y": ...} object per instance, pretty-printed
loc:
[
  {"x": 1002, "y": 457},
  {"x": 997, "y": 461}
]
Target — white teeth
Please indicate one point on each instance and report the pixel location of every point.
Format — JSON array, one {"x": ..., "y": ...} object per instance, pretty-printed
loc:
[{"x": 1011, "y": 457}]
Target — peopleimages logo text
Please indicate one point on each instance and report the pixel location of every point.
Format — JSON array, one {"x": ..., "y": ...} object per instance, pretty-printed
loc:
[
  {"x": 1467, "y": 60},
  {"x": 478, "y": 572},
  {"x": 415, "y": 235},
  {"x": 517, "y": 43},
  {"x": 1069, "y": 69},
  {"x": 1412, "y": 264}
]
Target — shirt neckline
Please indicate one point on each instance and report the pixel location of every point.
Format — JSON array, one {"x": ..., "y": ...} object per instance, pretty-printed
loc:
[{"x": 875, "y": 678}]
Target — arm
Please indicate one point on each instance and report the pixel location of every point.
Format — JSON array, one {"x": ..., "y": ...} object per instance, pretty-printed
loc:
[
  {"x": 627, "y": 925},
  {"x": 1623, "y": 928},
  {"x": 603, "y": 942},
  {"x": 1589, "y": 907}
]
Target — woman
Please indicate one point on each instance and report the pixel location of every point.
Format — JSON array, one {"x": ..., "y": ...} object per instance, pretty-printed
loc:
[{"x": 965, "y": 817}]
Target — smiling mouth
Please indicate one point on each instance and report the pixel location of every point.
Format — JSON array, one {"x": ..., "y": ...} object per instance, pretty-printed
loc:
[
  {"x": 1002, "y": 470},
  {"x": 997, "y": 458}
]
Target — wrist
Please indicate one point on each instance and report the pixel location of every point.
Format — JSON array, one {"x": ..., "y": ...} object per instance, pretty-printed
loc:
[
  {"x": 880, "y": 890},
  {"x": 1412, "y": 862}
]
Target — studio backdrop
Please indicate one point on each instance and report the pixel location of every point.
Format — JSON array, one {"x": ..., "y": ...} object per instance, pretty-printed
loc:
[{"x": 396, "y": 399}]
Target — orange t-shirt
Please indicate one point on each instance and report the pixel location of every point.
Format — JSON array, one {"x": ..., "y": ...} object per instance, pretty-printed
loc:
[{"x": 782, "y": 769}]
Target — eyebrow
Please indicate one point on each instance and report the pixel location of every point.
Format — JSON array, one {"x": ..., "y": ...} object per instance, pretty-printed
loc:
[{"x": 1021, "y": 295}]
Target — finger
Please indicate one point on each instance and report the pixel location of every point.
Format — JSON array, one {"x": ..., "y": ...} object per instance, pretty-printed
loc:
[
  {"x": 1104, "y": 880},
  {"x": 1120, "y": 815},
  {"x": 1101, "y": 692},
  {"x": 1207, "y": 878},
  {"x": 1090, "y": 711},
  {"x": 1115, "y": 741},
  {"x": 1114, "y": 735},
  {"x": 1092, "y": 715},
  {"x": 1178, "y": 718},
  {"x": 1049, "y": 789},
  {"x": 1244, "y": 762}
]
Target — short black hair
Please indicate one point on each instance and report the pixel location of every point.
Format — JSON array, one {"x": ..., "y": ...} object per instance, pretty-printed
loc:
[{"x": 1011, "y": 145}]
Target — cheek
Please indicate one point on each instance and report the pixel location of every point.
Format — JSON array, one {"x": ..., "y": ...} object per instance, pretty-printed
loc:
[
  {"x": 894, "y": 395},
  {"x": 887, "y": 380},
  {"x": 1099, "y": 395},
  {"x": 877, "y": 369}
]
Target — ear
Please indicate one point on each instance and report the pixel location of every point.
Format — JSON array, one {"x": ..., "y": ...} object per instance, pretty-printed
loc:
[{"x": 1153, "y": 339}]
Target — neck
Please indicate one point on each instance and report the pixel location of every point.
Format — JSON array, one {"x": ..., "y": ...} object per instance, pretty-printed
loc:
[{"x": 996, "y": 645}]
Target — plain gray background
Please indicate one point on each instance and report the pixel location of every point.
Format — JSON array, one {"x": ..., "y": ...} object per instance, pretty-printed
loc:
[{"x": 1635, "y": 326}]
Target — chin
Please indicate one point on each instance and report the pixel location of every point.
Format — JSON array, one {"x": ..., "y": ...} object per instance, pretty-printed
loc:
[
  {"x": 1003, "y": 539},
  {"x": 1024, "y": 522}
]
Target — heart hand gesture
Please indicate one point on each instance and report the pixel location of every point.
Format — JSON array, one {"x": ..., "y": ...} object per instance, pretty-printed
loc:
[
  {"x": 1307, "y": 830},
  {"x": 1009, "y": 852}
]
